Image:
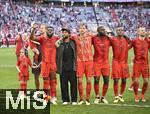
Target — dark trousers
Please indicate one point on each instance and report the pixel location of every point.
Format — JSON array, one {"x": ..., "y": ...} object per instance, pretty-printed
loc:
[
  {"x": 7, "y": 42},
  {"x": 65, "y": 78},
  {"x": 1, "y": 43}
]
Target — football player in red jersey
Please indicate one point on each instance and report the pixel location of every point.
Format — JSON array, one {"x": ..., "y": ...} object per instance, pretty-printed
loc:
[
  {"x": 36, "y": 48},
  {"x": 120, "y": 70},
  {"x": 140, "y": 46},
  {"x": 84, "y": 61},
  {"x": 101, "y": 65},
  {"x": 22, "y": 40},
  {"x": 48, "y": 66}
]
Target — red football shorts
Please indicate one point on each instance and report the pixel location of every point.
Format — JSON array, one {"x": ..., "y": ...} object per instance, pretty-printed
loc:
[
  {"x": 85, "y": 67},
  {"x": 47, "y": 68},
  {"x": 101, "y": 69},
  {"x": 23, "y": 77},
  {"x": 139, "y": 68},
  {"x": 120, "y": 70}
]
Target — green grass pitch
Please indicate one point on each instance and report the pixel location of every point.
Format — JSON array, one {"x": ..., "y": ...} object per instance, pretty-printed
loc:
[{"x": 9, "y": 80}]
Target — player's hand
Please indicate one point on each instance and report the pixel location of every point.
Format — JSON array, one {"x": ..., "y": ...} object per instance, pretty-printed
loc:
[
  {"x": 18, "y": 69},
  {"x": 34, "y": 25},
  {"x": 35, "y": 50},
  {"x": 58, "y": 42},
  {"x": 36, "y": 66}
]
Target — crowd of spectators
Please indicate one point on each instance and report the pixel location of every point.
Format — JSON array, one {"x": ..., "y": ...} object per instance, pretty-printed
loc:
[
  {"x": 130, "y": 17},
  {"x": 126, "y": 15}
]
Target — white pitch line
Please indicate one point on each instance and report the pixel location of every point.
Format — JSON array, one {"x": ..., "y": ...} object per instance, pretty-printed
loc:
[
  {"x": 126, "y": 105},
  {"x": 5, "y": 66}
]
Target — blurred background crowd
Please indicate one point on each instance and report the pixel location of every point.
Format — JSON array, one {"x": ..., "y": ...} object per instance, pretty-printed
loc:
[{"x": 70, "y": 14}]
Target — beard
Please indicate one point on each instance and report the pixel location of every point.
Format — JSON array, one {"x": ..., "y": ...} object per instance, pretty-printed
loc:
[
  {"x": 65, "y": 37},
  {"x": 142, "y": 35},
  {"x": 101, "y": 34},
  {"x": 49, "y": 35}
]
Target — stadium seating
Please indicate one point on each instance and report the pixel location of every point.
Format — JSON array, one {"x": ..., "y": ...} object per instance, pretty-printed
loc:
[{"x": 128, "y": 15}]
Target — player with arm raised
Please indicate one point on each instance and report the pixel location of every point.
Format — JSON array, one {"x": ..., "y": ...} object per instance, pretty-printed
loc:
[
  {"x": 37, "y": 58},
  {"x": 22, "y": 42},
  {"x": 48, "y": 65}
]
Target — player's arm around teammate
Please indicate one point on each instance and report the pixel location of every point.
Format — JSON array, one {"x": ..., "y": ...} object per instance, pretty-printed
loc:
[{"x": 48, "y": 66}]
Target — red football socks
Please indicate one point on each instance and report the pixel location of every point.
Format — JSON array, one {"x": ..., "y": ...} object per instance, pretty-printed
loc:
[
  {"x": 96, "y": 89},
  {"x": 144, "y": 88},
  {"x": 123, "y": 86},
  {"x": 116, "y": 89},
  {"x": 23, "y": 86},
  {"x": 46, "y": 86},
  {"x": 53, "y": 88},
  {"x": 80, "y": 89},
  {"x": 136, "y": 86},
  {"x": 105, "y": 88},
  {"x": 88, "y": 90}
]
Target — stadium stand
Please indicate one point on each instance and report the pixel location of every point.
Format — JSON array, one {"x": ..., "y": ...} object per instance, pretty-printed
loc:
[{"x": 111, "y": 15}]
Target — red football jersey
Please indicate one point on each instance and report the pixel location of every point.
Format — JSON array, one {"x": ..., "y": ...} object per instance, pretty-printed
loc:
[
  {"x": 26, "y": 44},
  {"x": 32, "y": 45},
  {"x": 23, "y": 63},
  {"x": 18, "y": 46},
  {"x": 48, "y": 48},
  {"x": 140, "y": 48},
  {"x": 101, "y": 49},
  {"x": 84, "y": 47},
  {"x": 120, "y": 49}
]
